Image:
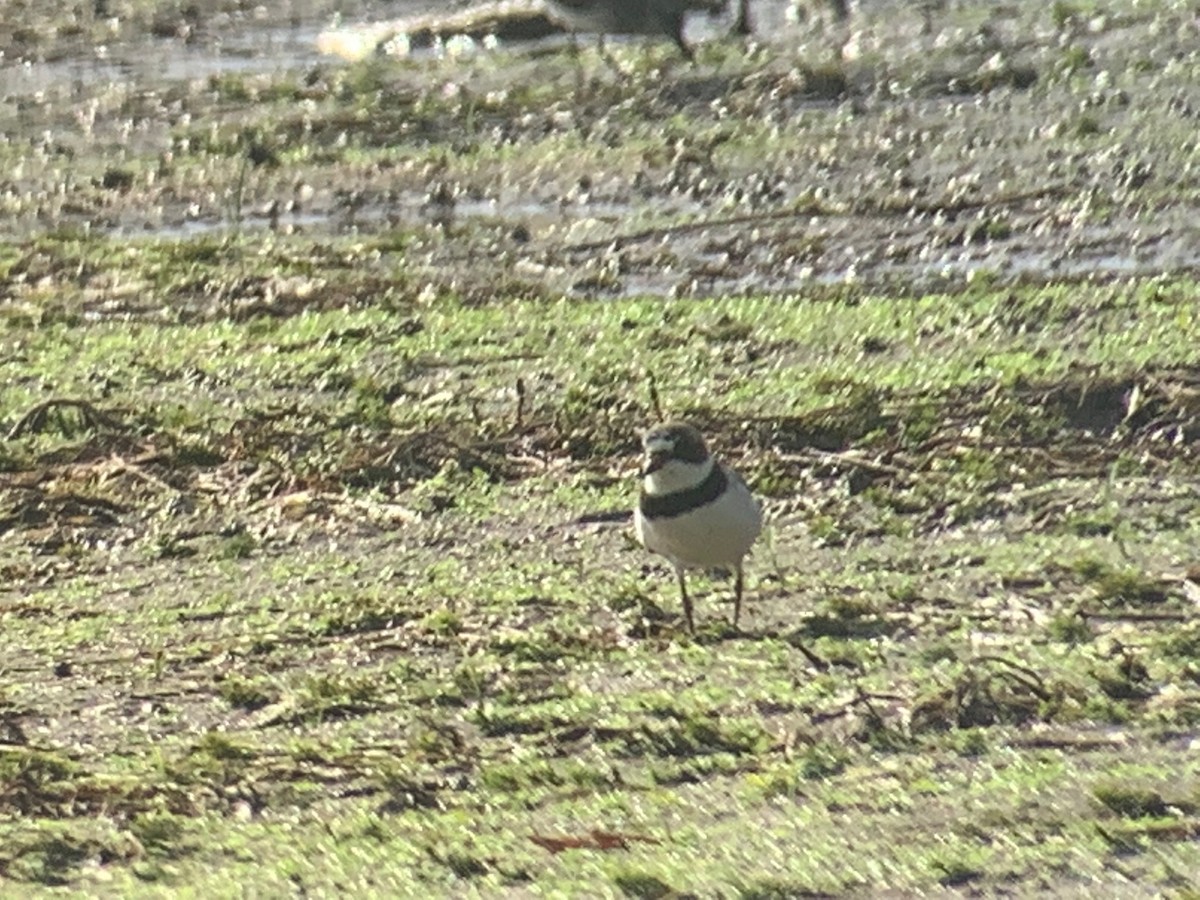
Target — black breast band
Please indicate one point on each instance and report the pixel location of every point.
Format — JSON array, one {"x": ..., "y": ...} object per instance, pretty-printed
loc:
[{"x": 667, "y": 506}]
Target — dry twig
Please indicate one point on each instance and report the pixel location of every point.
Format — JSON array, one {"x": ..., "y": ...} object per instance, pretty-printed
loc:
[{"x": 35, "y": 418}]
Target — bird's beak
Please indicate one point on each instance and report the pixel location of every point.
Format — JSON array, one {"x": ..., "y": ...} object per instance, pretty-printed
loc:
[{"x": 655, "y": 460}]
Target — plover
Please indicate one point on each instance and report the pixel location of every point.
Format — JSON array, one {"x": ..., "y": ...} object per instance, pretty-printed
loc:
[
  {"x": 694, "y": 509},
  {"x": 649, "y": 17}
]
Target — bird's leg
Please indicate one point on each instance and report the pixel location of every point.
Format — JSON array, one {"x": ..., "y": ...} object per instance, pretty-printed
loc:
[
  {"x": 687, "y": 601},
  {"x": 609, "y": 59},
  {"x": 737, "y": 595},
  {"x": 743, "y": 26},
  {"x": 682, "y": 44},
  {"x": 577, "y": 59}
]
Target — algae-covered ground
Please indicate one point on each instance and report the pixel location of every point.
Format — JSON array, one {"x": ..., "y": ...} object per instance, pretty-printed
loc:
[{"x": 320, "y": 386}]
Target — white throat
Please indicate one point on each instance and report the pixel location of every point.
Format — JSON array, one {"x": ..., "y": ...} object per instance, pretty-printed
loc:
[{"x": 677, "y": 475}]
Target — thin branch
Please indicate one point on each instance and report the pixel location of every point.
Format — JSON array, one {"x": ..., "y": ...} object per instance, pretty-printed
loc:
[
  {"x": 846, "y": 459},
  {"x": 34, "y": 419},
  {"x": 1131, "y": 616}
]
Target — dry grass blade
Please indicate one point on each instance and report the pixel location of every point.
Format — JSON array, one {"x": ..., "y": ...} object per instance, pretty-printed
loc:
[{"x": 593, "y": 840}]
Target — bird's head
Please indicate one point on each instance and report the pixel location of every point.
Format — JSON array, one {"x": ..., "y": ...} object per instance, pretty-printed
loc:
[{"x": 675, "y": 453}]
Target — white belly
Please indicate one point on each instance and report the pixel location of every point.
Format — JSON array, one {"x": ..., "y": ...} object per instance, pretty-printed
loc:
[{"x": 717, "y": 535}]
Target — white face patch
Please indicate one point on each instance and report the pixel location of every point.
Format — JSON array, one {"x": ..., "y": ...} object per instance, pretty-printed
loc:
[
  {"x": 659, "y": 445},
  {"x": 676, "y": 475}
]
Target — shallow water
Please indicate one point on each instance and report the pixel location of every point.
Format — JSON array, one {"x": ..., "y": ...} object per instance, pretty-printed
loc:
[
  {"x": 75, "y": 112},
  {"x": 152, "y": 61}
]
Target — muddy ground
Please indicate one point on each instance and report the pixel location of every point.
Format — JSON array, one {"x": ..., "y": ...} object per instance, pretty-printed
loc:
[{"x": 321, "y": 383}]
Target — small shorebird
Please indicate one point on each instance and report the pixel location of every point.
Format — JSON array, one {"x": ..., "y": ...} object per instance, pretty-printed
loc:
[
  {"x": 694, "y": 509},
  {"x": 659, "y": 18}
]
